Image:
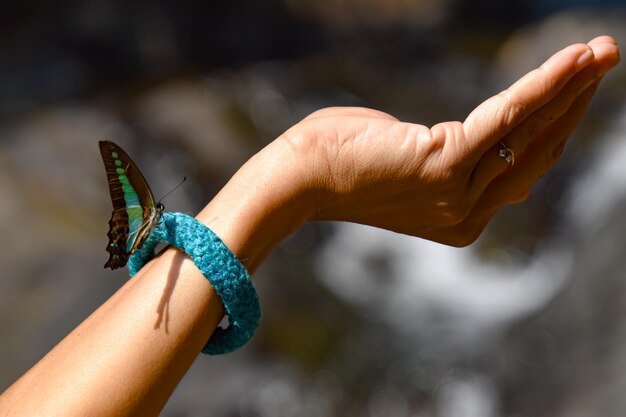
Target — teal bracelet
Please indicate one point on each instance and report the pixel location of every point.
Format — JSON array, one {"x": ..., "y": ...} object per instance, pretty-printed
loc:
[{"x": 219, "y": 265}]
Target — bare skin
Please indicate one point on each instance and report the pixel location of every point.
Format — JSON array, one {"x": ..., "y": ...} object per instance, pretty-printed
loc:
[{"x": 442, "y": 183}]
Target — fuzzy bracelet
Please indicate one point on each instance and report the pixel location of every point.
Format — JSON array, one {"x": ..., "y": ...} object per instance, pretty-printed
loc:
[{"x": 219, "y": 265}]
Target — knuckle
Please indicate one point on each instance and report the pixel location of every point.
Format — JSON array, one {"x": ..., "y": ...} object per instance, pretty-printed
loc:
[
  {"x": 550, "y": 158},
  {"x": 437, "y": 137},
  {"x": 558, "y": 151},
  {"x": 449, "y": 148},
  {"x": 520, "y": 198},
  {"x": 456, "y": 211},
  {"x": 534, "y": 125},
  {"x": 464, "y": 238},
  {"x": 448, "y": 133},
  {"x": 511, "y": 110},
  {"x": 300, "y": 140}
]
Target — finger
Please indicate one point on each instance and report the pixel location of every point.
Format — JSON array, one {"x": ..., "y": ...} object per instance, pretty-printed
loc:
[
  {"x": 603, "y": 39},
  {"x": 499, "y": 115},
  {"x": 542, "y": 155},
  {"x": 490, "y": 165},
  {"x": 488, "y": 168},
  {"x": 513, "y": 186},
  {"x": 556, "y": 135},
  {"x": 522, "y": 135},
  {"x": 604, "y": 54},
  {"x": 612, "y": 55}
]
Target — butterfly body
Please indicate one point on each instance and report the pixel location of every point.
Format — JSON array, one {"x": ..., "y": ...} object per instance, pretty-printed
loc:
[{"x": 135, "y": 212}]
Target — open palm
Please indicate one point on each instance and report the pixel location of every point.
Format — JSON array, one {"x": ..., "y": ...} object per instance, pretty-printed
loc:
[{"x": 445, "y": 183}]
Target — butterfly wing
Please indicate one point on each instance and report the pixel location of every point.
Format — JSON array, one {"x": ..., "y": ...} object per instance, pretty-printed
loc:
[{"x": 134, "y": 212}]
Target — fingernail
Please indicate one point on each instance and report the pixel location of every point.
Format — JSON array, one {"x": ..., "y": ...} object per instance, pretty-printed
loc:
[{"x": 585, "y": 58}]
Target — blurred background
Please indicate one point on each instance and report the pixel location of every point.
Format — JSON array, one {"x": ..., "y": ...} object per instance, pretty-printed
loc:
[{"x": 356, "y": 321}]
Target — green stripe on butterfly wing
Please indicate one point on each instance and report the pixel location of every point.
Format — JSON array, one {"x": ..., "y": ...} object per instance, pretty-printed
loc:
[{"x": 134, "y": 211}]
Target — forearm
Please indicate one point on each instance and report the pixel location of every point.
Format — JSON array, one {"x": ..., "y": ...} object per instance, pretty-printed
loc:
[{"x": 129, "y": 355}]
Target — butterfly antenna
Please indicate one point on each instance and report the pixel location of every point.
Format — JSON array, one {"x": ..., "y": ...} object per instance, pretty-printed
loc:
[{"x": 173, "y": 189}]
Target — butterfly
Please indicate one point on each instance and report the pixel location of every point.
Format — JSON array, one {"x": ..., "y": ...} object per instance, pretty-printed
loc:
[{"x": 135, "y": 214}]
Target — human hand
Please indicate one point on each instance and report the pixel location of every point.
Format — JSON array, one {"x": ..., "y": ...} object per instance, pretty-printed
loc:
[{"x": 446, "y": 182}]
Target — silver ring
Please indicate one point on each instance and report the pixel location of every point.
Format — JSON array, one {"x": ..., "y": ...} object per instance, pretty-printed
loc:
[{"x": 507, "y": 154}]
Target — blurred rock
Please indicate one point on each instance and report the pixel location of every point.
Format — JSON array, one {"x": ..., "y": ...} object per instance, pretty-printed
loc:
[
  {"x": 53, "y": 218},
  {"x": 532, "y": 44},
  {"x": 344, "y": 15},
  {"x": 569, "y": 360},
  {"x": 193, "y": 118}
]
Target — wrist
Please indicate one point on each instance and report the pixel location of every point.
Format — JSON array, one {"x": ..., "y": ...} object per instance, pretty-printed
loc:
[{"x": 265, "y": 201}]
